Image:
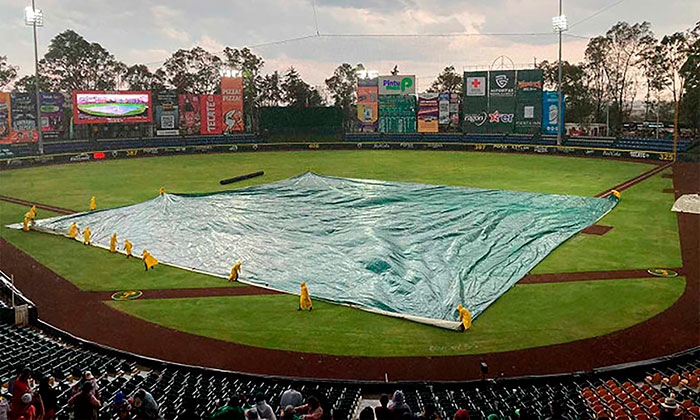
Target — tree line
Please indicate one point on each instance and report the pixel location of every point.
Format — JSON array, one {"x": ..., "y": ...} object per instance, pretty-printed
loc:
[{"x": 627, "y": 62}]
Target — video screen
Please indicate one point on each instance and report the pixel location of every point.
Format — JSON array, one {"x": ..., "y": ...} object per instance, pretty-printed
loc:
[{"x": 117, "y": 107}]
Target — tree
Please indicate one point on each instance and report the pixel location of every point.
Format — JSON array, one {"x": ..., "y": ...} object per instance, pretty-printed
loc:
[
  {"x": 673, "y": 51},
  {"x": 193, "y": 71},
  {"x": 8, "y": 72},
  {"x": 575, "y": 87},
  {"x": 447, "y": 81},
  {"x": 297, "y": 93},
  {"x": 270, "y": 90},
  {"x": 26, "y": 84},
  {"x": 654, "y": 68},
  {"x": 72, "y": 63},
  {"x": 690, "y": 102},
  {"x": 343, "y": 89},
  {"x": 250, "y": 66},
  {"x": 139, "y": 77}
]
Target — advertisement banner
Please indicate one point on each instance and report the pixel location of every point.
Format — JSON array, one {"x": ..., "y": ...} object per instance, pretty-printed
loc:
[
  {"x": 367, "y": 104},
  {"x": 99, "y": 107},
  {"x": 428, "y": 110},
  {"x": 550, "y": 111},
  {"x": 167, "y": 114},
  {"x": 232, "y": 104},
  {"x": 189, "y": 114},
  {"x": 454, "y": 111},
  {"x": 5, "y": 122},
  {"x": 528, "y": 101},
  {"x": 397, "y": 85},
  {"x": 397, "y": 114},
  {"x": 51, "y": 114},
  {"x": 23, "y": 110},
  {"x": 475, "y": 102},
  {"x": 444, "y": 109},
  {"x": 210, "y": 114},
  {"x": 501, "y": 113}
]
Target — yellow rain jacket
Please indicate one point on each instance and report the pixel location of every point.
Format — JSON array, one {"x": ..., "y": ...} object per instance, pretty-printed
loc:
[
  {"x": 25, "y": 224},
  {"x": 304, "y": 298},
  {"x": 161, "y": 191},
  {"x": 127, "y": 247},
  {"x": 33, "y": 212},
  {"x": 73, "y": 232},
  {"x": 149, "y": 259},
  {"x": 86, "y": 236},
  {"x": 113, "y": 243},
  {"x": 234, "y": 272},
  {"x": 93, "y": 203},
  {"x": 465, "y": 316}
]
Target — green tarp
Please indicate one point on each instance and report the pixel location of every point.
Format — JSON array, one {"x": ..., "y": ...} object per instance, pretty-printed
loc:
[{"x": 409, "y": 250}]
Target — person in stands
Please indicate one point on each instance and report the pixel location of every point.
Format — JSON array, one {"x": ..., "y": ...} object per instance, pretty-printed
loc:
[
  {"x": 311, "y": 410},
  {"x": 398, "y": 405},
  {"x": 291, "y": 397},
  {"x": 231, "y": 410},
  {"x": 429, "y": 413},
  {"x": 251, "y": 414},
  {"x": 289, "y": 413},
  {"x": 20, "y": 387},
  {"x": 145, "y": 407},
  {"x": 85, "y": 405},
  {"x": 49, "y": 396},
  {"x": 366, "y": 414},
  {"x": 87, "y": 377},
  {"x": 669, "y": 408},
  {"x": 121, "y": 406},
  {"x": 382, "y": 412},
  {"x": 265, "y": 412},
  {"x": 26, "y": 408},
  {"x": 461, "y": 415}
]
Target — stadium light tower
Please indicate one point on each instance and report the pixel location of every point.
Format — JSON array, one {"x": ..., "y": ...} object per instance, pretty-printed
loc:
[
  {"x": 560, "y": 25},
  {"x": 35, "y": 17}
]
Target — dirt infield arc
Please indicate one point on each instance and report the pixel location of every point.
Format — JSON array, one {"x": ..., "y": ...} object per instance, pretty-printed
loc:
[{"x": 85, "y": 315}]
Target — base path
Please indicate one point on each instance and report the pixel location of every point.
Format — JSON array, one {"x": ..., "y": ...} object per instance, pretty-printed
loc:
[
  {"x": 38, "y": 205},
  {"x": 63, "y": 305}
]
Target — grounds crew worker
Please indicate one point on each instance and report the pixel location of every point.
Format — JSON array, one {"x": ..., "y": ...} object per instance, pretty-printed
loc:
[
  {"x": 304, "y": 298},
  {"x": 235, "y": 271},
  {"x": 127, "y": 247},
  {"x": 148, "y": 260},
  {"x": 74, "y": 231},
  {"x": 93, "y": 203},
  {"x": 29, "y": 218},
  {"x": 33, "y": 211},
  {"x": 113, "y": 243},
  {"x": 465, "y": 317},
  {"x": 86, "y": 236}
]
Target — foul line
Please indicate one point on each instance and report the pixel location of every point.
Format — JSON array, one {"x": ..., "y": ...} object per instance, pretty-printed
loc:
[{"x": 636, "y": 180}]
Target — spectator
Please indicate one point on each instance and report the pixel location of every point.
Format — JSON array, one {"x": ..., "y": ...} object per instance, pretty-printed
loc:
[
  {"x": 18, "y": 373},
  {"x": 85, "y": 404},
  {"x": 121, "y": 406},
  {"x": 49, "y": 397},
  {"x": 311, "y": 410},
  {"x": 669, "y": 407},
  {"x": 251, "y": 414},
  {"x": 24, "y": 409},
  {"x": 398, "y": 406},
  {"x": 493, "y": 417},
  {"x": 144, "y": 406},
  {"x": 4, "y": 408},
  {"x": 232, "y": 410},
  {"x": 291, "y": 397},
  {"x": 20, "y": 387},
  {"x": 289, "y": 413},
  {"x": 461, "y": 415},
  {"x": 429, "y": 413},
  {"x": 367, "y": 413},
  {"x": 383, "y": 412},
  {"x": 264, "y": 410},
  {"x": 87, "y": 377}
]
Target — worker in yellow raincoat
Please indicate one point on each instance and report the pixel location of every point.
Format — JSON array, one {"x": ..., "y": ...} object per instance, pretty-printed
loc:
[
  {"x": 33, "y": 211},
  {"x": 127, "y": 247},
  {"x": 113, "y": 243},
  {"x": 235, "y": 271},
  {"x": 465, "y": 317},
  {"x": 148, "y": 260},
  {"x": 27, "y": 221},
  {"x": 73, "y": 231},
  {"x": 304, "y": 298},
  {"x": 93, "y": 203},
  {"x": 616, "y": 193},
  {"x": 161, "y": 191},
  {"x": 86, "y": 236}
]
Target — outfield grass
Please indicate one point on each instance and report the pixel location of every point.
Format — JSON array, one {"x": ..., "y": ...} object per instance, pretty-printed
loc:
[
  {"x": 644, "y": 235},
  {"x": 527, "y": 316},
  {"x": 91, "y": 268}
]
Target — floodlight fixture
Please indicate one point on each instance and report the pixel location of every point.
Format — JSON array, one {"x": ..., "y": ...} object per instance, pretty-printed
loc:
[
  {"x": 367, "y": 74},
  {"x": 230, "y": 72},
  {"x": 33, "y": 17},
  {"x": 560, "y": 24}
]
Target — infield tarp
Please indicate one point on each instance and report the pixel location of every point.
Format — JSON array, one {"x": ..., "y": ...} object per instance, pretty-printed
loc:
[{"x": 409, "y": 250}]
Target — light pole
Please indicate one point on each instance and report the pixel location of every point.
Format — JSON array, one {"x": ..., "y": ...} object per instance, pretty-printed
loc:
[
  {"x": 560, "y": 25},
  {"x": 35, "y": 17}
]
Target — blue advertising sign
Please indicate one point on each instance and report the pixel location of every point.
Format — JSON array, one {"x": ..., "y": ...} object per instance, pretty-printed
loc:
[{"x": 550, "y": 111}]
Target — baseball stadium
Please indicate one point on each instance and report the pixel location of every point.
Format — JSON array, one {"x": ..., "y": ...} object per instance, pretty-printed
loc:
[{"x": 469, "y": 253}]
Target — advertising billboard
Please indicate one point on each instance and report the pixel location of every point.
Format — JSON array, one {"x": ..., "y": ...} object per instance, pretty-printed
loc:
[
  {"x": 428, "y": 110},
  {"x": 189, "y": 114},
  {"x": 98, "y": 107},
  {"x": 397, "y": 85},
  {"x": 367, "y": 104},
  {"x": 550, "y": 111},
  {"x": 444, "y": 108},
  {"x": 232, "y": 104},
  {"x": 475, "y": 102},
  {"x": 5, "y": 122},
  {"x": 167, "y": 114},
  {"x": 501, "y": 113},
  {"x": 528, "y": 101},
  {"x": 51, "y": 114},
  {"x": 397, "y": 114},
  {"x": 454, "y": 111},
  {"x": 210, "y": 115},
  {"x": 23, "y": 111}
]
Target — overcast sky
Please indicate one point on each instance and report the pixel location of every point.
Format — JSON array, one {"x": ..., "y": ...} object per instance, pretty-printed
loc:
[{"x": 148, "y": 31}]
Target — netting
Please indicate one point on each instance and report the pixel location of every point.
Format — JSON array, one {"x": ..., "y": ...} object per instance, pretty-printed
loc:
[{"x": 408, "y": 250}]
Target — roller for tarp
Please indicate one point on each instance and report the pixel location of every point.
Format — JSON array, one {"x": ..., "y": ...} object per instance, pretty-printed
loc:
[{"x": 241, "y": 177}]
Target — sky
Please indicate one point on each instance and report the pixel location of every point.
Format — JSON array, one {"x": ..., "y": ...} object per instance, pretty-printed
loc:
[{"x": 147, "y": 32}]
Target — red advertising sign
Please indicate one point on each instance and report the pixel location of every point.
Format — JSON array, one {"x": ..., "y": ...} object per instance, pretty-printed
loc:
[
  {"x": 99, "y": 107},
  {"x": 189, "y": 114},
  {"x": 5, "y": 124},
  {"x": 232, "y": 104},
  {"x": 210, "y": 112}
]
